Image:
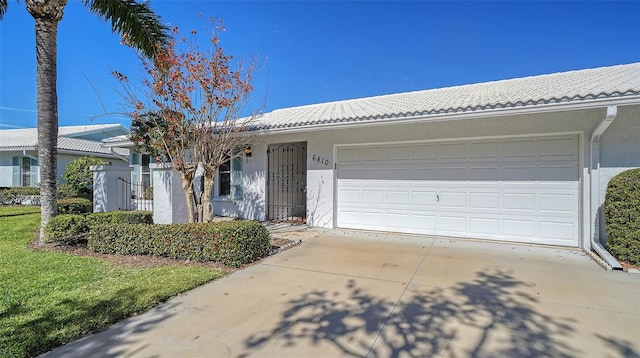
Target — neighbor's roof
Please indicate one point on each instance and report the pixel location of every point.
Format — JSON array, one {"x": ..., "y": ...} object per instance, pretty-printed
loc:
[
  {"x": 75, "y": 131},
  {"x": 558, "y": 88},
  {"x": 27, "y": 139}
]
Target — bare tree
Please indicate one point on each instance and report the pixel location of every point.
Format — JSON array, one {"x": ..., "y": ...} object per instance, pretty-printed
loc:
[{"x": 187, "y": 111}]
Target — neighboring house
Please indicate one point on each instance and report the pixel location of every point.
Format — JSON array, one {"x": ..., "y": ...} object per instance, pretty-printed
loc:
[
  {"x": 523, "y": 160},
  {"x": 19, "y": 151}
]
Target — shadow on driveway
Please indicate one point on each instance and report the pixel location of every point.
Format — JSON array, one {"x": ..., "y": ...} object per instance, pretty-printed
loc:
[{"x": 490, "y": 316}]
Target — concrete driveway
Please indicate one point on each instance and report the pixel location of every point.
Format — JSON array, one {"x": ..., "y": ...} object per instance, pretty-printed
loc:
[{"x": 374, "y": 295}]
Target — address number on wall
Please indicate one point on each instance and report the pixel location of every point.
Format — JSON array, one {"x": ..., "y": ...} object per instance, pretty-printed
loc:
[{"x": 319, "y": 159}]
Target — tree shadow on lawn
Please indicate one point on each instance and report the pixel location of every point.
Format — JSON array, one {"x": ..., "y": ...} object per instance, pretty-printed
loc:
[
  {"x": 490, "y": 316},
  {"x": 51, "y": 329}
]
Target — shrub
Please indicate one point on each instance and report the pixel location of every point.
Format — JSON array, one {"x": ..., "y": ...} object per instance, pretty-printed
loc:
[
  {"x": 233, "y": 243},
  {"x": 74, "y": 228},
  {"x": 75, "y": 206},
  {"x": 17, "y": 195},
  {"x": 622, "y": 216},
  {"x": 148, "y": 193},
  {"x": 67, "y": 229},
  {"x": 79, "y": 178},
  {"x": 120, "y": 217}
]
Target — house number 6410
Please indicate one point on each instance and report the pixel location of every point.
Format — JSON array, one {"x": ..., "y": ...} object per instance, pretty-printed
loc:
[{"x": 319, "y": 159}]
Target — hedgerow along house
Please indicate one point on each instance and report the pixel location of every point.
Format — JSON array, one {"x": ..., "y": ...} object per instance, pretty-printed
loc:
[{"x": 522, "y": 160}]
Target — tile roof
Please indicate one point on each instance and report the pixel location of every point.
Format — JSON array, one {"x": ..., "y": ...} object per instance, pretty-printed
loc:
[
  {"x": 87, "y": 146},
  {"x": 565, "y": 87},
  {"x": 72, "y": 131},
  {"x": 27, "y": 138}
]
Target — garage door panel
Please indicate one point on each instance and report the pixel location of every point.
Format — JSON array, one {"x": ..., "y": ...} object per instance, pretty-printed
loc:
[
  {"x": 424, "y": 174},
  {"x": 373, "y": 218},
  {"x": 424, "y": 152},
  {"x": 397, "y": 220},
  {"x": 558, "y": 203},
  {"x": 373, "y": 154},
  {"x": 395, "y": 197},
  {"x": 554, "y": 230},
  {"x": 452, "y": 224},
  {"x": 452, "y": 173},
  {"x": 518, "y": 173},
  {"x": 398, "y": 153},
  {"x": 347, "y": 155},
  {"x": 485, "y": 150},
  {"x": 348, "y": 217},
  {"x": 453, "y": 200},
  {"x": 518, "y": 228},
  {"x": 397, "y": 174},
  {"x": 349, "y": 196},
  {"x": 424, "y": 198},
  {"x": 486, "y": 173},
  {"x": 424, "y": 223},
  {"x": 519, "y": 149},
  {"x": 373, "y": 196},
  {"x": 484, "y": 225},
  {"x": 453, "y": 151},
  {"x": 524, "y": 189},
  {"x": 348, "y": 173},
  {"x": 558, "y": 147},
  {"x": 519, "y": 201},
  {"x": 484, "y": 200},
  {"x": 557, "y": 173}
]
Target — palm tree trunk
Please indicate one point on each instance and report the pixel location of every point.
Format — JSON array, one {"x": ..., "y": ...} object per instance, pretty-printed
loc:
[{"x": 47, "y": 15}]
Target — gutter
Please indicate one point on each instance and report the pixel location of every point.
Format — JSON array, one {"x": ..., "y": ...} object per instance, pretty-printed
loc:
[
  {"x": 449, "y": 116},
  {"x": 112, "y": 151},
  {"x": 594, "y": 177}
]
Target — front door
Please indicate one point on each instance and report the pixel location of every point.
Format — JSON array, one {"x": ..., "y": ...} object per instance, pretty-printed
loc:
[{"x": 287, "y": 182}]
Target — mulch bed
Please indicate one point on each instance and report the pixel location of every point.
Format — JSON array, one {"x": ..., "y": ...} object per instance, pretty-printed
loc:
[{"x": 278, "y": 244}]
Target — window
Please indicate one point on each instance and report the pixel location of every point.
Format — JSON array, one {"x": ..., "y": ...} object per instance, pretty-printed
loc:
[
  {"x": 224, "y": 179},
  {"x": 25, "y": 171},
  {"x": 229, "y": 183}
]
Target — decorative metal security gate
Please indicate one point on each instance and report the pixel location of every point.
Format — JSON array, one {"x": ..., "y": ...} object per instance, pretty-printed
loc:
[
  {"x": 287, "y": 182},
  {"x": 135, "y": 196}
]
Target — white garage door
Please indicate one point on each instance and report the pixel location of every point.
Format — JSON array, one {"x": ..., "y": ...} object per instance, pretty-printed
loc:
[{"x": 518, "y": 189}]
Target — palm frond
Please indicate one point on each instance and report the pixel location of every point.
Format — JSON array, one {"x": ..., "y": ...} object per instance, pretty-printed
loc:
[
  {"x": 3, "y": 8},
  {"x": 136, "y": 21}
]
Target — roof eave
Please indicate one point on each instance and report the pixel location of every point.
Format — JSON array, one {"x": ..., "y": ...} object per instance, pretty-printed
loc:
[{"x": 476, "y": 114}]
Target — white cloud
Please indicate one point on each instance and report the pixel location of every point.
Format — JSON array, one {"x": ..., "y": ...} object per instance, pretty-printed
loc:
[{"x": 17, "y": 109}]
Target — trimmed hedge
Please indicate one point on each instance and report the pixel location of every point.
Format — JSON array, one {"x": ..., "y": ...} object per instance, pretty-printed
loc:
[
  {"x": 233, "y": 243},
  {"x": 67, "y": 229},
  {"x": 74, "y": 228},
  {"x": 622, "y": 216},
  {"x": 12, "y": 196},
  {"x": 75, "y": 206},
  {"x": 120, "y": 217}
]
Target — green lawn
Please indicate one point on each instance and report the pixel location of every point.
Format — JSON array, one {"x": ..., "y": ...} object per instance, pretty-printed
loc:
[{"x": 49, "y": 299}]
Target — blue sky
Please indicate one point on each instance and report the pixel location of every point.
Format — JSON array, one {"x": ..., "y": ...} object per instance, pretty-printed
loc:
[{"x": 319, "y": 51}]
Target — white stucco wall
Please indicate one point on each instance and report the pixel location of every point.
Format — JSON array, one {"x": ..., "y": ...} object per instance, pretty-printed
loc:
[
  {"x": 109, "y": 193},
  {"x": 169, "y": 202}
]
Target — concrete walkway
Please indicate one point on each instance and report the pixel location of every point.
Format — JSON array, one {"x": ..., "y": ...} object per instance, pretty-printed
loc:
[{"x": 366, "y": 295}]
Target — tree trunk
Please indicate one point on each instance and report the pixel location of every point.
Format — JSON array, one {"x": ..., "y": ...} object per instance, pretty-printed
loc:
[
  {"x": 47, "y": 14},
  {"x": 187, "y": 187},
  {"x": 207, "y": 205}
]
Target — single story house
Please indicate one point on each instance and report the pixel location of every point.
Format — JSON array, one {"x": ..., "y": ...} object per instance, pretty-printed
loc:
[
  {"x": 19, "y": 151},
  {"x": 523, "y": 160}
]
